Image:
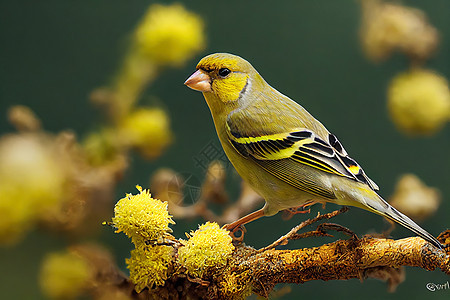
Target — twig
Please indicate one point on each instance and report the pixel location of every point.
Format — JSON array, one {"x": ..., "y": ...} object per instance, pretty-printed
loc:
[
  {"x": 292, "y": 234},
  {"x": 336, "y": 227}
]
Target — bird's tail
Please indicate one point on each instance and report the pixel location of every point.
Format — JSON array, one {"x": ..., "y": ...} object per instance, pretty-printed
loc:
[{"x": 381, "y": 207}]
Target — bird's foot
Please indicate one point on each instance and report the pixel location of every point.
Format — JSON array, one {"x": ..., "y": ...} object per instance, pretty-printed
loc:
[
  {"x": 239, "y": 224},
  {"x": 233, "y": 229},
  {"x": 290, "y": 212}
]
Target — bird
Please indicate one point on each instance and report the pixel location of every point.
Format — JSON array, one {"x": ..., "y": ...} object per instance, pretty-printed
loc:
[{"x": 285, "y": 154}]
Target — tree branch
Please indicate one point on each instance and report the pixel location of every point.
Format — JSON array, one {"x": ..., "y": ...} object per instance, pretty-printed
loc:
[
  {"x": 254, "y": 271},
  {"x": 340, "y": 260},
  {"x": 249, "y": 270}
]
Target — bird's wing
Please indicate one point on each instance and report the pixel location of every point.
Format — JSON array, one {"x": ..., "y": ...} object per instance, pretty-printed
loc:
[{"x": 283, "y": 154}]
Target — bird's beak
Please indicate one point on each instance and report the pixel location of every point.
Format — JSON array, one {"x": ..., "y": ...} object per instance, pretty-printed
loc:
[{"x": 199, "y": 81}]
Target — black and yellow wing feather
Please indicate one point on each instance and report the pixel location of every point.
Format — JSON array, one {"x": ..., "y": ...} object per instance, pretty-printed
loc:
[{"x": 281, "y": 155}]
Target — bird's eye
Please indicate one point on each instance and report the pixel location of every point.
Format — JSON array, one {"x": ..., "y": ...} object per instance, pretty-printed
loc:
[{"x": 224, "y": 72}]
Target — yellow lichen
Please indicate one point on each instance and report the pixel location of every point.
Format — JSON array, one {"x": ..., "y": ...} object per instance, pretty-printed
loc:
[
  {"x": 141, "y": 217},
  {"x": 208, "y": 247},
  {"x": 148, "y": 265},
  {"x": 31, "y": 182},
  {"x": 169, "y": 34},
  {"x": 64, "y": 275},
  {"x": 387, "y": 27},
  {"x": 236, "y": 287},
  {"x": 147, "y": 130},
  {"x": 419, "y": 101}
]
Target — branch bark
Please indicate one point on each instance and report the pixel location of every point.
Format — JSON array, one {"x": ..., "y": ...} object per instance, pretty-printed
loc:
[
  {"x": 343, "y": 259},
  {"x": 258, "y": 271},
  {"x": 253, "y": 271}
]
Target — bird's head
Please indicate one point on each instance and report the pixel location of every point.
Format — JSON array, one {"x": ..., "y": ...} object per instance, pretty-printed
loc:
[{"x": 225, "y": 77}]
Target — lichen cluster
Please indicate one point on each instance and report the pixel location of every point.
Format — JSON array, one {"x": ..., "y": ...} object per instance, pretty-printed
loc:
[
  {"x": 149, "y": 265},
  {"x": 419, "y": 101},
  {"x": 141, "y": 217},
  {"x": 144, "y": 127},
  {"x": 389, "y": 27},
  {"x": 146, "y": 221},
  {"x": 64, "y": 275},
  {"x": 31, "y": 183},
  {"x": 208, "y": 247},
  {"x": 169, "y": 34}
]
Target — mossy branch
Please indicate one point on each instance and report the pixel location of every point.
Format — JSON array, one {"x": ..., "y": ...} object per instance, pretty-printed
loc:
[
  {"x": 209, "y": 266},
  {"x": 343, "y": 259},
  {"x": 252, "y": 271}
]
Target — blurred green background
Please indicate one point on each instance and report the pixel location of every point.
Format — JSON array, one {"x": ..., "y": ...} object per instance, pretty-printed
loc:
[{"x": 54, "y": 53}]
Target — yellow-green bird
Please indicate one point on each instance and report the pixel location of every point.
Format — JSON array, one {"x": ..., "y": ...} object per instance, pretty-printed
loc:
[{"x": 280, "y": 149}]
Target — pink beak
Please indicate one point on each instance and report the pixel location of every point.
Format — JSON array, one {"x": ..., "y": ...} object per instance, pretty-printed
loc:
[{"x": 199, "y": 81}]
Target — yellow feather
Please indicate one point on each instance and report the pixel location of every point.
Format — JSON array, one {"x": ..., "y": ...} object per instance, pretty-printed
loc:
[
  {"x": 228, "y": 89},
  {"x": 354, "y": 169},
  {"x": 288, "y": 152},
  {"x": 255, "y": 139},
  {"x": 280, "y": 153}
]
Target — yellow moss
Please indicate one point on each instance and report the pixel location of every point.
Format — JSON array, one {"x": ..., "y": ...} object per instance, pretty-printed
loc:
[
  {"x": 31, "y": 183},
  {"x": 387, "y": 27},
  {"x": 148, "y": 265},
  {"x": 419, "y": 101},
  {"x": 141, "y": 217},
  {"x": 63, "y": 275},
  {"x": 209, "y": 247},
  {"x": 148, "y": 130},
  {"x": 236, "y": 287},
  {"x": 170, "y": 34}
]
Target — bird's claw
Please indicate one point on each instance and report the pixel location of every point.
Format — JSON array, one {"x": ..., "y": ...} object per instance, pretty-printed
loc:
[
  {"x": 290, "y": 212},
  {"x": 233, "y": 230}
]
